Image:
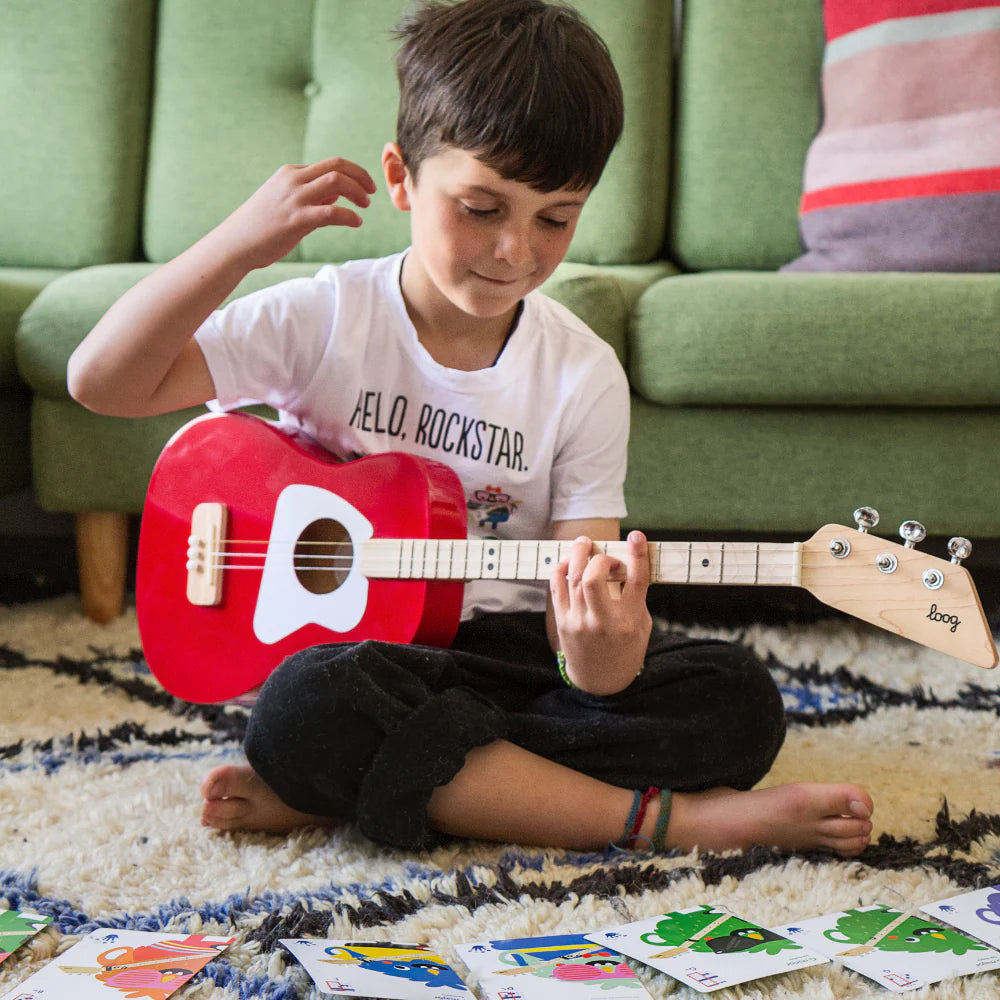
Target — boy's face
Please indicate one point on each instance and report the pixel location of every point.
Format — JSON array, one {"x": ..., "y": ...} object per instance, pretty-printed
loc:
[{"x": 480, "y": 243}]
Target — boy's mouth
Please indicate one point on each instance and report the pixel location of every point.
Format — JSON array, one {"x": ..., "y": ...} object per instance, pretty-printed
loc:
[{"x": 502, "y": 282}]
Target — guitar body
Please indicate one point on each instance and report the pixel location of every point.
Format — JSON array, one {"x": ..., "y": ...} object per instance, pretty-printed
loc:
[{"x": 280, "y": 492}]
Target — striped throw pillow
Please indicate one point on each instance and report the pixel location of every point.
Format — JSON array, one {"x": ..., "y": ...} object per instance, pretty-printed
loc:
[{"x": 904, "y": 174}]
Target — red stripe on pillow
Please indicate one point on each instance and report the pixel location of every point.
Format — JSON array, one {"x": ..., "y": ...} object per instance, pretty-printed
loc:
[
  {"x": 844, "y": 16},
  {"x": 928, "y": 185}
]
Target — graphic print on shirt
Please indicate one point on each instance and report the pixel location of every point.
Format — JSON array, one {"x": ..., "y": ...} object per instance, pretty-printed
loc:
[
  {"x": 439, "y": 430},
  {"x": 491, "y": 506}
]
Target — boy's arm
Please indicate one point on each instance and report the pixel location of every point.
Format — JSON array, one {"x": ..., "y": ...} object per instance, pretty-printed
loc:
[
  {"x": 597, "y": 613},
  {"x": 140, "y": 359}
]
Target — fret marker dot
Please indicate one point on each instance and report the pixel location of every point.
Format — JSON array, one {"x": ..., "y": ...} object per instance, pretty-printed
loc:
[
  {"x": 490, "y": 566},
  {"x": 705, "y": 562}
]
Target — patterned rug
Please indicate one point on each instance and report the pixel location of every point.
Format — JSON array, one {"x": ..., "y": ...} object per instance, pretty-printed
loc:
[{"x": 99, "y": 773}]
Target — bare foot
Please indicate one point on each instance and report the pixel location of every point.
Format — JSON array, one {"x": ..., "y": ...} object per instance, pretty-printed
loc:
[
  {"x": 237, "y": 799},
  {"x": 801, "y": 816}
]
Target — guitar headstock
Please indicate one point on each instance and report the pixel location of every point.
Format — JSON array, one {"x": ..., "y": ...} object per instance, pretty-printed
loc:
[{"x": 918, "y": 596}]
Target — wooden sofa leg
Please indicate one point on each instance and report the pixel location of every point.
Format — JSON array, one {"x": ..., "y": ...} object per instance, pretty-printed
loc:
[{"x": 102, "y": 555}]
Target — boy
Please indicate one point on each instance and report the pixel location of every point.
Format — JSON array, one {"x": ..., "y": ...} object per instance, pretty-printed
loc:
[{"x": 509, "y": 110}]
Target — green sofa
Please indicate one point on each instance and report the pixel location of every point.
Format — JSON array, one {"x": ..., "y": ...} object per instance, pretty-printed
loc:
[{"x": 763, "y": 402}]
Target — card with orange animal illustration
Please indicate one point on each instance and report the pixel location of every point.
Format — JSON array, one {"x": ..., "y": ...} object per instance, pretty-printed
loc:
[
  {"x": 16, "y": 926},
  {"x": 108, "y": 963},
  {"x": 551, "y": 967},
  {"x": 378, "y": 969}
]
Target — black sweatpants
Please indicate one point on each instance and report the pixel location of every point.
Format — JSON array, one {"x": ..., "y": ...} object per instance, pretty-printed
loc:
[{"x": 365, "y": 732}]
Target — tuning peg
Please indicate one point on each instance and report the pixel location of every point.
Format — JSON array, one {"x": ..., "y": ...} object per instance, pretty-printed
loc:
[
  {"x": 912, "y": 532},
  {"x": 866, "y": 518},
  {"x": 959, "y": 548}
]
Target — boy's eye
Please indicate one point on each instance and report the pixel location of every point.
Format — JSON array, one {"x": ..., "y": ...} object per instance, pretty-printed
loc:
[
  {"x": 479, "y": 213},
  {"x": 556, "y": 223}
]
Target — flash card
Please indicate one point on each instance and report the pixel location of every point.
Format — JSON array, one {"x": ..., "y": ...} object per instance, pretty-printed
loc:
[
  {"x": 16, "y": 926},
  {"x": 708, "y": 948},
  {"x": 111, "y": 963},
  {"x": 898, "y": 950},
  {"x": 378, "y": 969},
  {"x": 567, "y": 966},
  {"x": 977, "y": 913}
]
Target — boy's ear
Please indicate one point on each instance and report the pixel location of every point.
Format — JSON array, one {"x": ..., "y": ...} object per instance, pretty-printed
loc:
[{"x": 397, "y": 177}]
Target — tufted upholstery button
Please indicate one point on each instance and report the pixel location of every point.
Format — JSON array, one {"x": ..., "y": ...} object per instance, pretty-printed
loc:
[{"x": 311, "y": 90}]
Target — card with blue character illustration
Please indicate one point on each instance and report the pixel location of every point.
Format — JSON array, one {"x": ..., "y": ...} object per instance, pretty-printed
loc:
[
  {"x": 898, "y": 949},
  {"x": 378, "y": 969},
  {"x": 977, "y": 913},
  {"x": 16, "y": 926},
  {"x": 553, "y": 966},
  {"x": 708, "y": 948}
]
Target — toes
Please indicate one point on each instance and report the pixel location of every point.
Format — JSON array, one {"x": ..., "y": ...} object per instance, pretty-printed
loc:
[
  {"x": 227, "y": 781},
  {"x": 224, "y": 814}
]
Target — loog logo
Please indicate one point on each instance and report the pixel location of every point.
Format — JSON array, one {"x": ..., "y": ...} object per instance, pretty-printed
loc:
[{"x": 939, "y": 616}]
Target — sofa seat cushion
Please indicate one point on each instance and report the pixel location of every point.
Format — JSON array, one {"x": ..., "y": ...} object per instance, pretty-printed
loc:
[
  {"x": 18, "y": 288},
  {"x": 766, "y": 339},
  {"x": 69, "y": 307}
]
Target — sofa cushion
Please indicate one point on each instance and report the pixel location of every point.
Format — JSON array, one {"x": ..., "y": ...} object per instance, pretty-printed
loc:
[
  {"x": 905, "y": 172},
  {"x": 747, "y": 108},
  {"x": 243, "y": 86},
  {"x": 868, "y": 340},
  {"x": 755, "y": 469},
  {"x": 75, "y": 85},
  {"x": 67, "y": 309},
  {"x": 18, "y": 288}
]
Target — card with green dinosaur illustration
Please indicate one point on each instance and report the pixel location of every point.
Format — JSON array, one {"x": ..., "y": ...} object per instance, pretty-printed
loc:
[
  {"x": 977, "y": 913},
  {"x": 550, "y": 967},
  {"x": 378, "y": 969},
  {"x": 708, "y": 948},
  {"x": 899, "y": 950},
  {"x": 16, "y": 926}
]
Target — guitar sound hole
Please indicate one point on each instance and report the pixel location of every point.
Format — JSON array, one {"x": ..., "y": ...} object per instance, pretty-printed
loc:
[{"x": 323, "y": 556}]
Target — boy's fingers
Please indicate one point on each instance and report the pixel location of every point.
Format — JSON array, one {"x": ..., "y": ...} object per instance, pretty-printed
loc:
[
  {"x": 338, "y": 165},
  {"x": 579, "y": 556},
  {"x": 637, "y": 568},
  {"x": 331, "y": 186},
  {"x": 333, "y": 215},
  {"x": 559, "y": 586}
]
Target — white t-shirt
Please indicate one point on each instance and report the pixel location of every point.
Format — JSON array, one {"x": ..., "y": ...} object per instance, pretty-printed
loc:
[{"x": 540, "y": 436}]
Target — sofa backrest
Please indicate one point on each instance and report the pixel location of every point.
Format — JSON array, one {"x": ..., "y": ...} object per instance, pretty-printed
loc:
[
  {"x": 748, "y": 104},
  {"x": 74, "y": 80},
  {"x": 243, "y": 86}
]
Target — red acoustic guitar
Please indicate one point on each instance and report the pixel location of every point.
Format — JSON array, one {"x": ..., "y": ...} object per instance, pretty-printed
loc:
[{"x": 256, "y": 544}]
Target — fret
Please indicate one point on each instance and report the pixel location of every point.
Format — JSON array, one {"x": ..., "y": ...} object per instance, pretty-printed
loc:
[
  {"x": 548, "y": 557},
  {"x": 474, "y": 559},
  {"x": 490, "y": 569},
  {"x": 406, "y": 559},
  {"x": 458, "y": 552},
  {"x": 431, "y": 559},
  {"x": 527, "y": 561},
  {"x": 508, "y": 560}
]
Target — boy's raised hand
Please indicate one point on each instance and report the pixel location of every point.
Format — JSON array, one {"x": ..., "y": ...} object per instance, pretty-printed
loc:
[
  {"x": 603, "y": 626},
  {"x": 293, "y": 202}
]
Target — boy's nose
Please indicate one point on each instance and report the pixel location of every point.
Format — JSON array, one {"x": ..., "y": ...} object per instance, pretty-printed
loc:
[{"x": 514, "y": 246}]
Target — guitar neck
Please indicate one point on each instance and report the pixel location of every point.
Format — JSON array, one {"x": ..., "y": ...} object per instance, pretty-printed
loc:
[{"x": 744, "y": 563}]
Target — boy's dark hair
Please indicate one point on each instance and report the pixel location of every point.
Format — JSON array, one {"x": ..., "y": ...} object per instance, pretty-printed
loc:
[{"x": 526, "y": 85}]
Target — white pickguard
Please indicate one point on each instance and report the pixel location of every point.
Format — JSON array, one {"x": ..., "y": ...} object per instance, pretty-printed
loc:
[{"x": 283, "y": 604}]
